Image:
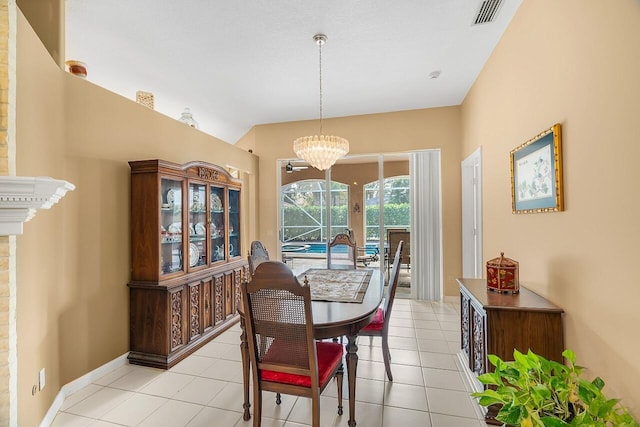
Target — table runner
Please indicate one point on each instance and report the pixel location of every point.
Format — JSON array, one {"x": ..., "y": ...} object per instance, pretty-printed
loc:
[{"x": 337, "y": 285}]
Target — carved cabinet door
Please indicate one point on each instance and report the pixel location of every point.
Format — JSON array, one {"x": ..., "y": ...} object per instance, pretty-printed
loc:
[
  {"x": 195, "y": 310},
  {"x": 465, "y": 324},
  {"x": 229, "y": 287},
  {"x": 478, "y": 347},
  {"x": 207, "y": 304},
  {"x": 218, "y": 299},
  {"x": 238, "y": 275},
  {"x": 177, "y": 332}
]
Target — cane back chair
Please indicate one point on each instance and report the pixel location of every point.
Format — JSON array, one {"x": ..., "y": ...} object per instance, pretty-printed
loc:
[{"x": 285, "y": 357}]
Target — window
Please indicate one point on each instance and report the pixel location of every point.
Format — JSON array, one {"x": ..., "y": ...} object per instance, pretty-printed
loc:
[
  {"x": 304, "y": 210},
  {"x": 396, "y": 201}
]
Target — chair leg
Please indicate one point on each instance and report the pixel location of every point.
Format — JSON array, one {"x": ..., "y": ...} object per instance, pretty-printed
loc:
[
  {"x": 257, "y": 406},
  {"x": 386, "y": 355},
  {"x": 339, "y": 378},
  {"x": 315, "y": 411},
  {"x": 244, "y": 351},
  {"x": 278, "y": 399}
]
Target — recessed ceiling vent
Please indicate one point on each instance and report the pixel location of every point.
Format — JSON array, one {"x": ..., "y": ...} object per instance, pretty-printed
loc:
[{"x": 487, "y": 11}]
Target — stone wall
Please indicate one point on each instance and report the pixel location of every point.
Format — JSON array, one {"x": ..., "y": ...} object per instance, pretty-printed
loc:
[{"x": 8, "y": 361}]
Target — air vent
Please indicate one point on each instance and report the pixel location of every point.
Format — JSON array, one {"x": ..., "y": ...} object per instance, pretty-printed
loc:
[{"x": 487, "y": 11}]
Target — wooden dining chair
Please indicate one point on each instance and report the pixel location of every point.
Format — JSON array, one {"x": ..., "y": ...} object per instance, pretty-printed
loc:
[
  {"x": 379, "y": 326},
  {"x": 285, "y": 357},
  {"x": 350, "y": 256},
  {"x": 257, "y": 255}
]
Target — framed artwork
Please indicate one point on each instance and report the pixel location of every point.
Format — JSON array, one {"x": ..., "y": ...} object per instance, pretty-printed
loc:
[{"x": 536, "y": 174}]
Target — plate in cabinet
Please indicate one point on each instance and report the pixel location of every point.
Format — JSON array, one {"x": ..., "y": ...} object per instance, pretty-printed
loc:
[
  {"x": 200, "y": 229},
  {"x": 194, "y": 254},
  {"x": 175, "y": 228},
  {"x": 171, "y": 196},
  {"x": 216, "y": 203}
]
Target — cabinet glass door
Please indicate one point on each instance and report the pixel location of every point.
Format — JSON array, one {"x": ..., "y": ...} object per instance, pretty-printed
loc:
[
  {"x": 234, "y": 223},
  {"x": 170, "y": 226},
  {"x": 217, "y": 223},
  {"x": 197, "y": 224}
]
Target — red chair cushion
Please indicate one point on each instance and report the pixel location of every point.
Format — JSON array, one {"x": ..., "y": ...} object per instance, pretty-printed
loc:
[
  {"x": 329, "y": 357},
  {"x": 377, "y": 323}
]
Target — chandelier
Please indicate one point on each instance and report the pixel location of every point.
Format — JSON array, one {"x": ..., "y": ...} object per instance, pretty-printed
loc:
[{"x": 320, "y": 151}]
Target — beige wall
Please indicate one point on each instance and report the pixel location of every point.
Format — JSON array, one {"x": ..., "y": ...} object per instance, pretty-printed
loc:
[
  {"x": 47, "y": 19},
  {"x": 74, "y": 260},
  {"x": 367, "y": 134},
  {"x": 575, "y": 62}
]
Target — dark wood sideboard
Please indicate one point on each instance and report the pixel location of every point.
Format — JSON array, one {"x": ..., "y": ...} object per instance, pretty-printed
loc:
[{"x": 496, "y": 323}]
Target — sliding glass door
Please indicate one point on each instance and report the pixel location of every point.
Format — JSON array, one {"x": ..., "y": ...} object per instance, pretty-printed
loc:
[{"x": 361, "y": 195}]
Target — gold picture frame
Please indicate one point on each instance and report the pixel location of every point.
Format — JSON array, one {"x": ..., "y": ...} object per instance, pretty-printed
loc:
[{"x": 536, "y": 174}]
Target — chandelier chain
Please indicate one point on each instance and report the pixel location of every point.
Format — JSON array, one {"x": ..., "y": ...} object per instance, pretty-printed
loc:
[
  {"x": 320, "y": 43},
  {"x": 320, "y": 151}
]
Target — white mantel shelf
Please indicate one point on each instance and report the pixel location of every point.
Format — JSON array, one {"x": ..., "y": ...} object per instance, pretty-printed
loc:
[{"x": 21, "y": 196}]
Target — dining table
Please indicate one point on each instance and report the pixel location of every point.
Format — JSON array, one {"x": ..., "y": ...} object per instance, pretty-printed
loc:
[{"x": 331, "y": 319}]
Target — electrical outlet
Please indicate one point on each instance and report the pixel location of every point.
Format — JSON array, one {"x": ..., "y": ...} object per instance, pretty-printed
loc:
[{"x": 42, "y": 378}]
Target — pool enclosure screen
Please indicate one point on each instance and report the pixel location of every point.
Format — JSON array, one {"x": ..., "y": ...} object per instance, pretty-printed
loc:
[{"x": 304, "y": 210}]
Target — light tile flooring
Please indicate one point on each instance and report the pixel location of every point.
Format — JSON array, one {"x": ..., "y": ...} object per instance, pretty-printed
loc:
[{"x": 206, "y": 388}]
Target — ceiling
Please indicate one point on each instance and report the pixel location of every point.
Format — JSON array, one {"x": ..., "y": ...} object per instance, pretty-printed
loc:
[{"x": 241, "y": 63}]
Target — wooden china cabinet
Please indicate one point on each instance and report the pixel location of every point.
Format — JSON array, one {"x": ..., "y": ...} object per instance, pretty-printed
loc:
[{"x": 186, "y": 258}]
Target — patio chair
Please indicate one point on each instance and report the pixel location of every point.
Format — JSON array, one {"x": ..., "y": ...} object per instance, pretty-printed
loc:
[
  {"x": 379, "y": 326},
  {"x": 394, "y": 236},
  {"x": 285, "y": 357}
]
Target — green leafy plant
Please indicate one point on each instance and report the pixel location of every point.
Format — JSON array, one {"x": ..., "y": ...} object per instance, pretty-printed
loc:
[{"x": 534, "y": 391}]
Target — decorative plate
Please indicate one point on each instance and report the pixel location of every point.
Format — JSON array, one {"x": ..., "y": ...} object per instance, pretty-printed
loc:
[
  {"x": 194, "y": 254},
  {"x": 171, "y": 196},
  {"x": 176, "y": 227},
  {"x": 216, "y": 203},
  {"x": 200, "y": 229}
]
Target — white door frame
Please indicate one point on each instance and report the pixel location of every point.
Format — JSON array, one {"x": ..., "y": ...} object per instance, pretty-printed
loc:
[{"x": 472, "y": 215}]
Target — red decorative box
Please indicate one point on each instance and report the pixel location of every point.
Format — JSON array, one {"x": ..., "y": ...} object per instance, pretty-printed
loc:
[{"x": 502, "y": 275}]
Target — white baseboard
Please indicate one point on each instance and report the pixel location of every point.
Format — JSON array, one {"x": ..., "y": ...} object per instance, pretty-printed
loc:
[
  {"x": 80, "y": 383},
  {"x": 470, "y": 381}
]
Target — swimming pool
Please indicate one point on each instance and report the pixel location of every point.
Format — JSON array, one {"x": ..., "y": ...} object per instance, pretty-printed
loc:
[{"x": 320, "y": 248}]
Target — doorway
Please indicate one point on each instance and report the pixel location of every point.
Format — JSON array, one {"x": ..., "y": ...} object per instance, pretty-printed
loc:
[
  {"x": 472, "y": 215},
  {"x": 416, "y": 183}
]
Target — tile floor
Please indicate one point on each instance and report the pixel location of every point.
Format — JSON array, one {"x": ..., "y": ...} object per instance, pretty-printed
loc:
[{"x": 206, "y": 388}]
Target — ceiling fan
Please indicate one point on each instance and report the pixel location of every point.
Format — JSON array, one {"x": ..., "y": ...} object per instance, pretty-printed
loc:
[{"x": 290, "y": 168}]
